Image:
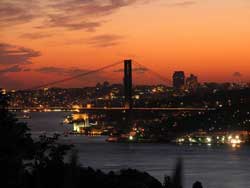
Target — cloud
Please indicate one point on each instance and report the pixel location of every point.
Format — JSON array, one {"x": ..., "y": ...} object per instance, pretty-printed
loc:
[
  {"x": 61, "y": 71},
  {"x": 71, "y": 72},
  {"x": 50, "y": 70},
  {"x": 104, "y": 40},
  {"x": 237, "y": 74},
  {"x": 16, "y": 12},
  {"x": 83, "y": 14},
  {"x": 182, "y": 3},
  {"x": 35, "y": 35},
  {"x": 91, "y": 7},
  {"x": 16, "y": 55},
  {"x": 15, "y": 68},
  {"x": 26, "y": 69},
  {"x": 69, "y": 14},
  {"x": 59, "y": 20},
  {"x": 136, "y": 70}
]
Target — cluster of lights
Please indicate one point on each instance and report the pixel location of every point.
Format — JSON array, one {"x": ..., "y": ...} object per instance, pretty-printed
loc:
[
  {"x": 209, "y": 139},
  {"x": 193, "y": 140},
  {"x": 180, "y": 140},
  {"x": 234, "y": 141},
  {"x": 136, "y": 132}
]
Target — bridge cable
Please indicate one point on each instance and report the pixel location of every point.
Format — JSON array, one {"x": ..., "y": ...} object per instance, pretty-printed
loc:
[
  {"x": 153, "y": 72},
  {"x": 76, "y": 76}
]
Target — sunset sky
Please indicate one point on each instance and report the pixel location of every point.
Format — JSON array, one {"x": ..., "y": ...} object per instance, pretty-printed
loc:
[{"x": 46, "y": 40}]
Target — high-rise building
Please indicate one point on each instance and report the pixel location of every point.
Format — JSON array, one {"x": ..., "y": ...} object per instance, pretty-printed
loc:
[
  {"x": 192, "y": 83},
  {"x": 178, "y": 79}
]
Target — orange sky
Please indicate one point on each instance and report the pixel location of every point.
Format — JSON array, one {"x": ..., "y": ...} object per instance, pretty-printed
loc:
[{"x": 43, "y": 41}]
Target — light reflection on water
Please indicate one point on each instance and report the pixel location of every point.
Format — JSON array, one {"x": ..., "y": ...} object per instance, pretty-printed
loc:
[{"x": 214, "y": 166}]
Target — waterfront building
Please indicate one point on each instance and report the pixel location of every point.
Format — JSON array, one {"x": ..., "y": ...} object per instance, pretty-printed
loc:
[{"x": 80, "y": 122}]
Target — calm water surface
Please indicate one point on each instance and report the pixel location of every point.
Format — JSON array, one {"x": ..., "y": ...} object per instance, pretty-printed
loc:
[{"x": 214, "y": 166}]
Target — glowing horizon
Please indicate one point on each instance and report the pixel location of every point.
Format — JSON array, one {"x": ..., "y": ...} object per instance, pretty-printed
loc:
[{"x": 45, "y": 41}]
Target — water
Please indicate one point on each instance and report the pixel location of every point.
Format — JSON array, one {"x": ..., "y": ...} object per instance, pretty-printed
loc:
[{"x": 214, "y": 166}]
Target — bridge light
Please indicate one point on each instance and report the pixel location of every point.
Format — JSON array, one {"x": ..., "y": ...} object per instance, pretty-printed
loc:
[
  {"x": 76, "y": 106},
  {"x": 223, "y": 138},
  {"x": 154, "y": 90},
  {"x": 137, "y": 97},
  {"x": 209, "y": 140}
]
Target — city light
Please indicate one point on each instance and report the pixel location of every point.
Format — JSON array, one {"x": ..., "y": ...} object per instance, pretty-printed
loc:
[
  {"x": 209, "y": 140},
  {"x": 235, "y": 140}
]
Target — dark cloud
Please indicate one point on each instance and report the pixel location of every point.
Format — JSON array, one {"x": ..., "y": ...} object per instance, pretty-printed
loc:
[
  {"x": 91, "y": 7},
  {"x": 237, "y": 74},
  {"x": 61, "y": 71},
  {"x": 137, "y": 70},
  {"x": 104, "y": 40},
  {"x": 15, "y": 68},
  {"x": 16, "y": 55},
  {"x": 35, "y": 35},
  {"x": 70, "y": 14},
  {"x": 71, "y": 23},
  {"x": 16, "y": 12},
  {"x": 26, "y": 69},
  {"x": 72, "y": 72},
  {"x": 83, "y": 14},
  {"x": 50, "y": 70}
]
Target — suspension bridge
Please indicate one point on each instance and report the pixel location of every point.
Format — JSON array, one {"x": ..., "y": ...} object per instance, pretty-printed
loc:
[{"x": 128, "y": 89}]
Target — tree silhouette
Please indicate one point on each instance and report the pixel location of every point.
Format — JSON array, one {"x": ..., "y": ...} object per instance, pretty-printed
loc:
[
  {"x": 197, "y": 185},
  {"x": 16, "y": 146},
  {"x": 176, "y": 180}
]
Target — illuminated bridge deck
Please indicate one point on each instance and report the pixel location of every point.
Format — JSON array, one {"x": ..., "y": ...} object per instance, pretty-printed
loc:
[
  {"x": 110, "y": 109},
  {"x": 148, "y": 109}
]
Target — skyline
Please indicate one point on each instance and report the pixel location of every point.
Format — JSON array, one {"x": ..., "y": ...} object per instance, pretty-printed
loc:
[{"x": 45, "y": 41}]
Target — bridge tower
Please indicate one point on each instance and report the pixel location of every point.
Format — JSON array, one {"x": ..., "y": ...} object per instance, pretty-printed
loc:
[{"x": 128, "y": 83}]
